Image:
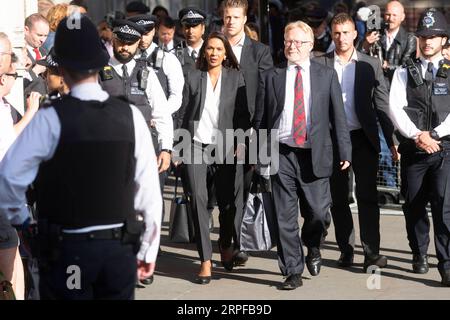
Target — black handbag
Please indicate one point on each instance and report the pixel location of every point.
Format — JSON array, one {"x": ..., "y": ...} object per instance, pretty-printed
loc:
[{"x": 181, "y": 227}]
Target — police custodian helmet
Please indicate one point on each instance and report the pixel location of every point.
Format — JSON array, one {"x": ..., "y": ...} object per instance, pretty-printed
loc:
[
  {"x": 432, "y": 23},
  {"x": 78, "y": 46}
]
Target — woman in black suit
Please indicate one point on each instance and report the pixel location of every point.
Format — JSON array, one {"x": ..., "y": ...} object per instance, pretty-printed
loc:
[{"x": 214, "y": 100}]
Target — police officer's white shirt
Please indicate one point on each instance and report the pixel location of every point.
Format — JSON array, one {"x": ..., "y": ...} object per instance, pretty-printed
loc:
[
  {"x": 197, "y": 49},
  {"x": 208, "y": 125},
  {"x": 7, "y": 132},
  {"x": 398, "y": 100},
  {"x": 37, "y": 143},
  {"x": 346, "y": 75},
  {"x": 237, "y": 48},
  {"x": 174, "y": 72},
  {"x": 157, "y": 100}
]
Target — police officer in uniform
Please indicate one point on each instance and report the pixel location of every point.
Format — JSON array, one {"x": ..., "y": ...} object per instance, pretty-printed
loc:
[
  {"x": 166, "y": 66},
  {"x": 97, "y": 173},
  {"x": 420, "y": 107},
  {"x": 56, "y": 87},
  {"x": 129, "y": 77},
  {"x": 193, "y": 26}
]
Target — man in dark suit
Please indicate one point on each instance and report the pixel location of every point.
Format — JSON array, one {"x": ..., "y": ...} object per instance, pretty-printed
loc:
[
  {"x": 36, "y": 32},
  {"x": 306, "y": 123},
  {"x": 366, "y": 99},
  {"x": 253, "y": 57}
]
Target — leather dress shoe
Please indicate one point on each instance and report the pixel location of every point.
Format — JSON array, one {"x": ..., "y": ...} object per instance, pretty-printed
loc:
[
  {"x": 240, "y": 258},
  {"x": 420, "y": 263},
  {"x": 445, "y": 278},
  {"x": 374, "y": 260},
  {"x": 226, "y": 257},
  {"x": 292, "y": 282},
  {"x": 313, "y": 263},
  {"x": 203, "y": 279},
  {"x": 147, "y": 281},
  {"x": 345, "y": 260}
]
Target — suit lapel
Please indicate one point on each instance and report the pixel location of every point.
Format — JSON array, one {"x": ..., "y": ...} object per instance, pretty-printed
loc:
[
  {"x": 245, "y": 49},
  {"x": 223, "y": 94},
  {"x": 203, "y": 83},
  {"x": 279, "y": 85},
  {"x": 358, "y": 81}
]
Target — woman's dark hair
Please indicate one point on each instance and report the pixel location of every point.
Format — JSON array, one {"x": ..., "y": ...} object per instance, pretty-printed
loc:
[{"x": 230, "y": 62}]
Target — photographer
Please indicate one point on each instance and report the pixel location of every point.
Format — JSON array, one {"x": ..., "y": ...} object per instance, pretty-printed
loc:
[{"x": 396, "y": 44}]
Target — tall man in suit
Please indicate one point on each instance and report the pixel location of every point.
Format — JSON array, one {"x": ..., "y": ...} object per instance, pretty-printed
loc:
[
  {"x": 306, "y": 123},
  {"x": 366, "y": 99},
  {"x": 253, "y": 57},
  {"x": 36, "y": 32}
]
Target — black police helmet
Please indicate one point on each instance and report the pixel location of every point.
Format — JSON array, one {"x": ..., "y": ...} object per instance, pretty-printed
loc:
[
  {"x": 127, "y": 30},
  {"x": 191, "y": 16},
  {"x": 432, "y": 23},
  {"x": 78, "y": 45},
  {"x": 145, "y": 21}
]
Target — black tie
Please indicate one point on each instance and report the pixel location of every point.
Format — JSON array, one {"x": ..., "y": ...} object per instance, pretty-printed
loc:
[
  {"x": 194, "y": 55},
  {"x": 144, "y": 54},
  {"x": 429, "y": 73},
  {"x": 125, "y": 74}
]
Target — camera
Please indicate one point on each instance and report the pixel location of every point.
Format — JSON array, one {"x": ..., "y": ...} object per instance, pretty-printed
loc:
[{"x": 372, "y": 17}]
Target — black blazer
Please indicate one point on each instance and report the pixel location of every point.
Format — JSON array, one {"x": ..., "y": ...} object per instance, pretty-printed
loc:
[
  {"x": 327, "y": 111},
  {"x": 255, "y": 58},
  {"x": 371, "y": 97},
  {"x": 233, "y": 109}
]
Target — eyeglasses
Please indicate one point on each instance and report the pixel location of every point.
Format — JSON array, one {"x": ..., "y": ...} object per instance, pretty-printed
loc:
[
  {"x": 298, "y": 43},
  {"x": 15, "y": 75}
]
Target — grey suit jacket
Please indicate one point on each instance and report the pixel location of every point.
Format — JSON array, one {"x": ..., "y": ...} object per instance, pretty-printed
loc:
[
  {"x": 233, "y": 109},
  {"x": 255, "y": 58},
  {"x": 327, "y": 114},
  {"x": 371, "y": 97}
]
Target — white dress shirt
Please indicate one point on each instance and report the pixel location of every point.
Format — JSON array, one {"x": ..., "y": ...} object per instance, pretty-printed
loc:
[
  {"x": 157, "y": 100},
  {"x": 397, "y": 101},
  {"x": 7, "y": 133},
  {"x": 38, "y": 142},
  {"x": 390, "y": 39},
  {"x": 208, "y": 125},
  {"x": 174, "y": 72},
  {"x": 197, "y": 49},
  {"x": 346, "y": 76},
  {"x": 286, "y": 128},
  {"x": 237, "y": 48}
]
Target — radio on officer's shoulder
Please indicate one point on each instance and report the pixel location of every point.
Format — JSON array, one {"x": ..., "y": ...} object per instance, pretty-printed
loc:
[
  {"x": 414, "y": 72},
  {"x": 159, "y": 58},
  {"x": 180, "y": 53},
  {"x": 142, "y": 78}
]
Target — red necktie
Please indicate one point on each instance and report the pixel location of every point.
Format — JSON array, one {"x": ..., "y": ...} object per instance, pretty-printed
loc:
[
  {"x": 299, "y": 111},
  {"x": 38, "y": 54}
]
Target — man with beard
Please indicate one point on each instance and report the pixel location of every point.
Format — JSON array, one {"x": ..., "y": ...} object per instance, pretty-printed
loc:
[
  {"x": 166, "y": 66},
  {"x": 419, "y": 108},
  {"x": 125, "y": 76}
]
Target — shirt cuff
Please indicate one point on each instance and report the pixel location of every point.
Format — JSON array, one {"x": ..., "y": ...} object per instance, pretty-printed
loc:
[
  {"x": 18, "y": 216},
  {"x": 441, "y": 131}
]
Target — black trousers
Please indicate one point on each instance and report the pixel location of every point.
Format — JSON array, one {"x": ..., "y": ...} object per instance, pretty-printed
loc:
[
  {"x": 365, "y": 167},
  {"x": 229, "y": 193},
  {"x": 426, "y": 178},
  {"x": 107, "y": 270},
  {"x": 296, "y": 184}
]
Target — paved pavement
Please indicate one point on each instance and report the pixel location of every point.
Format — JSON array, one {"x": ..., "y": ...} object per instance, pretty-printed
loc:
[{"x": 178, "y": 264}]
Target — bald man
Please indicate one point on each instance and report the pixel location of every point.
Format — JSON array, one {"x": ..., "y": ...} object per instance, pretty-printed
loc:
[{"x": 397, "y": 45}]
